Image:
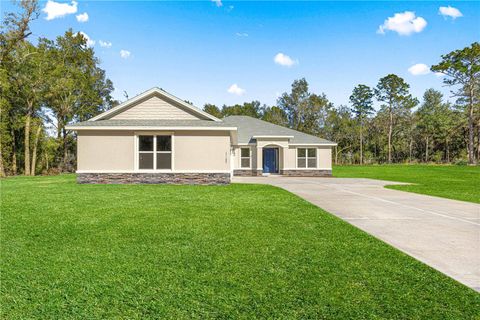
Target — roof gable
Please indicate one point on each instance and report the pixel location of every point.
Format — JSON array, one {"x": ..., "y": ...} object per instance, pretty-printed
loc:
[
  {"x": 155, "y": 104},
  {"x": 154, "y": 107}
]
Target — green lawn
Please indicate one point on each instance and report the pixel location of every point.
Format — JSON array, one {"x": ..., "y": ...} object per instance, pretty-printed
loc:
[
  {"x": 453, "y": 182},
  {"x": 238, "y": 251}
]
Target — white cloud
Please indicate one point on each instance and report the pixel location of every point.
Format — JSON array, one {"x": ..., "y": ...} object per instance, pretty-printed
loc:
[
  {"x": 90, "y": 42},
  {"x": 104, "y": 44},
  {"x": 284, "y": 60},
  {"x": 57, "y": 10},
  {"x": 451, "y": 12},
  {"x": 241, "y": 34},
  {"x": 82, "y": 17},
  {"x": 235, "y": 89},
  {"x": 439, "y": 74},
  {"x": 419, "y": 69},
  {"x": 125, "y": 54},
  {"x": 218, "y": 2},
  {"x": 404, "y": 24}
]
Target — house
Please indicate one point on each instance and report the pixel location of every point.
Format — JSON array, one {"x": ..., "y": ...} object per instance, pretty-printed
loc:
[{"x": 156, "y": 137}]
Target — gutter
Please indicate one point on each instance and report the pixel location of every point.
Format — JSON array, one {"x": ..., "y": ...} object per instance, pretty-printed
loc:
[{"x": 139, "y": 128}]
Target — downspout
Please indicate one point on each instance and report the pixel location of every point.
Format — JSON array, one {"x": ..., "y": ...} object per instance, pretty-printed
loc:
[
  {"x": 233, "y": 142},
  {"x": 232, "y": 159}
]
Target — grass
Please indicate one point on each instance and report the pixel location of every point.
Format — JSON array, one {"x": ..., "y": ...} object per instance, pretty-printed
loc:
[
  {"x": 239, "y": 251},
  {"x": 453, "y": 182}
]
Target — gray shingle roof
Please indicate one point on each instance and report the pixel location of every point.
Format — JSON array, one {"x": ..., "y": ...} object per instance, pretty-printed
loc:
[
  {"x": 150, "y": 123},
  {"x": 249, "y": 127}
]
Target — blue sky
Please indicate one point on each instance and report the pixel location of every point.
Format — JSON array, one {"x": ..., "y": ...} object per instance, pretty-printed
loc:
[{"x": 198, "y": 50}]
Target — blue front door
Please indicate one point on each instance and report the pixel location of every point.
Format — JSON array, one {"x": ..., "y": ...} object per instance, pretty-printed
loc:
[{"x": 270, "y": 160}]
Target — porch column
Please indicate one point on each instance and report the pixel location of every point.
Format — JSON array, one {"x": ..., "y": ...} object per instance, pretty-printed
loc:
[{"x": 259, "y": 160}]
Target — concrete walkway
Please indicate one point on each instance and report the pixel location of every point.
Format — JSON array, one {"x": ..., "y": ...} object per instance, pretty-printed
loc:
[{"x": 445, "y": 234}]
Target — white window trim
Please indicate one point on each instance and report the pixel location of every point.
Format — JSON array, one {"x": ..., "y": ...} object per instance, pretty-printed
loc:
[
  {"x": 249, "y": 158},
  {"x": 306, "y": 159},
  {"x": 137, "y": 152}
]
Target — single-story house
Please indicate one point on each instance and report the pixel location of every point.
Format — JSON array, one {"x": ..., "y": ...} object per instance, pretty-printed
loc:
[{"x": 156, "y": 137}]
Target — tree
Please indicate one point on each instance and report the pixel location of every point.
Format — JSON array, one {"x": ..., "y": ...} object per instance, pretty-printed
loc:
[
  {"x": 449, "y": 124},
  {"x": 291, "y": 103},
  {"x": 58, "y": 78},
  {"x": 393, "y": 91},
  {"x": 305, "y": 111},
  {"x": 213, "y": 110},
  {"x": 275, "y": 115},
  {"x": 313, "y": 115},
  {"x": 14, "y": 30},
  {"x": 362, "y": 107},
  {"x": 462, "y": 68},
  {"x": 28, "y": 75},
  {"x": 428, "y": 115},
  {"x": 341, "y": 129},
  {"x": 78, "y": 88},
  {"x": 375, "y": 137},
  {"x": 251, "y": 109},
  {"x": 17, "y": 27}
]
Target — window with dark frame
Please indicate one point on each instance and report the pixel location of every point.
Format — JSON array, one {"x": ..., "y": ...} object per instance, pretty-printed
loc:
[
  {"x": 164, "y": 152},
  {"x": 145, "y": 152},
  {"x": 245, "y": 157},
  {"x": 306, "y": 158},
  {"x": 155, "y": 152}
]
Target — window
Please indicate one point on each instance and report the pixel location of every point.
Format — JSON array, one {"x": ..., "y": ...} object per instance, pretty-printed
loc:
[
  {"x": 245, "y": 157},
  {"x": 145, "y": 150},
  {"x": 164, "y": 152},
  {"x": 154, "y": 152},
  {"x": 306, "y": 158}
]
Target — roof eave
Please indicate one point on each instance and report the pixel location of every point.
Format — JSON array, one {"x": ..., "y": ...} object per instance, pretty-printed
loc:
[
  {"x": 331, "y": 144},
  {"x": 157, "y": 128},
  {"x": 275, "y": 136}
]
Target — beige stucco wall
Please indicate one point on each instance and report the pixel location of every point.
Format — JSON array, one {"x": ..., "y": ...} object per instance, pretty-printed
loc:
[
  {"x": 289, "y": 158},
  {"x": 202, "y": 150},
  {"x": 115, "y": 150},
  {"x": 237, "y": 157},
  {"x": 325, "y": 157},
  {"x": 105, "y": 150},
  {"x": 192, "y": 151}
]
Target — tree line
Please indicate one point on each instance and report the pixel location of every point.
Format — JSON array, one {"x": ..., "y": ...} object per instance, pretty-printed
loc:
[
  {"x": 47, "y": 84},
  {"x": 404, "y": 129},
  {"x": 44, "y": 86}
]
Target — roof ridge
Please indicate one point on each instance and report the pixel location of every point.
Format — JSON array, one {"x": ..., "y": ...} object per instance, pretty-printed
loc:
[{"x": 170, "y": 94}]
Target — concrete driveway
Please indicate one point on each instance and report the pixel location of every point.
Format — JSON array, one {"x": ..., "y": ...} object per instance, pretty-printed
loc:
[{"x": 445, "y": 234}]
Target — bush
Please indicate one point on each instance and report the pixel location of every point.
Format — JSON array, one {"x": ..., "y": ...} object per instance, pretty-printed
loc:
[
  {"x": 461, "y": 162},
  {"x": 51, "y": 172}
]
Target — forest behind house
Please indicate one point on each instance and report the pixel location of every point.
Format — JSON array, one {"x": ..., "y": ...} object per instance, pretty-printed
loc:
[{"x": 46, "y": 84}]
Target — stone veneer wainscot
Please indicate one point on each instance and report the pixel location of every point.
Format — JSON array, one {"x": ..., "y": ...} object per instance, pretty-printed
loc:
[
  {"x": 306, "y": 173},
  {"x": 154, "y": 178},
  {"x": 246, "y": 172}
]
